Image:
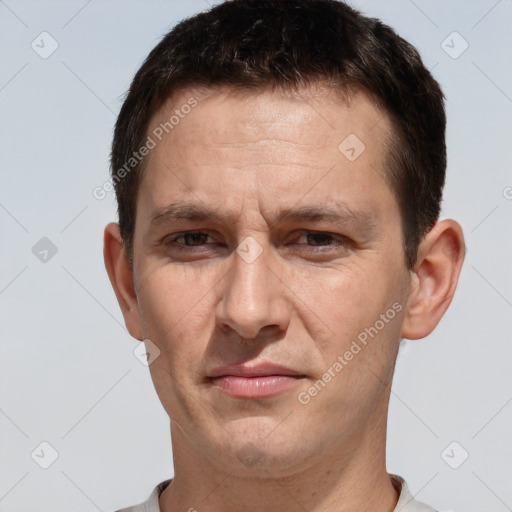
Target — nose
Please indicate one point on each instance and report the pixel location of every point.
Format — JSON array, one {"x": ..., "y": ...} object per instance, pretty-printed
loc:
[{"x": 254, "y": 297}]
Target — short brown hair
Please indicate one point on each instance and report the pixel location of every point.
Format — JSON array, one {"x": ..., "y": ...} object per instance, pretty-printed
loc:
[{"x": 254, "y": 44}]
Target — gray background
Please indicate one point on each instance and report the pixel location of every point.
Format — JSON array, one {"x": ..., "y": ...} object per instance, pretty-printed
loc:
[{"x": 68, "y": 374}]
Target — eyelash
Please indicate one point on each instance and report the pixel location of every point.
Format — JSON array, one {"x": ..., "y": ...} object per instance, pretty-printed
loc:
[{"x": 172, "y": 241}]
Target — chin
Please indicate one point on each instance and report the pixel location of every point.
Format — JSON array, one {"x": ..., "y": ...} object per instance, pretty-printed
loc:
[{"x": 257, "y": 447}]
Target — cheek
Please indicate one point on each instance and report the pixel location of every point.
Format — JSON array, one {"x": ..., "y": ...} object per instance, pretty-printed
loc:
[
  {"x": 358, "y": 358},
  {"x": 176, "y": 311},
  {"x": 360, "y": 308},
  {"x": 335, "y": 304},
  {"x": 176, "y": 307}
]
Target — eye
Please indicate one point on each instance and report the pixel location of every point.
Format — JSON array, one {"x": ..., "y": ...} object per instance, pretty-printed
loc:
[
  {"x": 190, "y": 238},
  {"x": 191, "y": 243},
  {"x": 189, "y": 246},
  {"x": 320, "y": 239}
]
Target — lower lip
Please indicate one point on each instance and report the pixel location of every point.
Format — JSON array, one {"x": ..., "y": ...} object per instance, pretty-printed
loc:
[{"x": 254, "y": 387}]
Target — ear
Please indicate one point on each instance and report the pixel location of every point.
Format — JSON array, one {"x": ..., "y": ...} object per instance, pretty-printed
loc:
[
  {"x": 121, "y": 278},
  {"x": 434, "y": 278}
]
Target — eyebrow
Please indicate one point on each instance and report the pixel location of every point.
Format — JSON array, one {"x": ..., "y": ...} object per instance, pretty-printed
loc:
[{"x": 340, "y": 213}]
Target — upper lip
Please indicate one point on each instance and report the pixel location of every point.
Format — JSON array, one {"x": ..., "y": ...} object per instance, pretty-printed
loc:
[{"x": 259, "y": 370}]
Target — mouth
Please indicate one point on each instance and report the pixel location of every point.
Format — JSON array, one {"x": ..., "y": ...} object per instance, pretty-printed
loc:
[{"x": 261, "y": 381}]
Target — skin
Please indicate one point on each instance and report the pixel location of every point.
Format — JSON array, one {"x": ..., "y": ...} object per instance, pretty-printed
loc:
[{"x": 301, "y": 303}]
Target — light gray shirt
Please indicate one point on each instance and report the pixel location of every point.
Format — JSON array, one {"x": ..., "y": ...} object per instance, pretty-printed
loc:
[{"x": 406, "y": 501}]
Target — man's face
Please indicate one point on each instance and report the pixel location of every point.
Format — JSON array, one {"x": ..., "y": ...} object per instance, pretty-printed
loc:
[{"x": 297, "y": 256}]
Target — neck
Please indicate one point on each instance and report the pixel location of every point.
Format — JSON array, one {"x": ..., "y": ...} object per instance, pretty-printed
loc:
[{"x": 340, "y": 481}]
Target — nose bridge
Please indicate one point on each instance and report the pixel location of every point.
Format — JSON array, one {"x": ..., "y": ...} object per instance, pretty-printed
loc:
[{"x": 252, "y": 298}]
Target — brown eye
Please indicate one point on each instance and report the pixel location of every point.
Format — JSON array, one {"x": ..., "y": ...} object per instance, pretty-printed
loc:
[
  {"x": 192, "y": 239},
  {"x": 320, "y": 239}
]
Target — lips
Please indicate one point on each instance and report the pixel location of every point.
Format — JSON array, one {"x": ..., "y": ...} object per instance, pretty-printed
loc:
[{"x": 264, "y": 380}]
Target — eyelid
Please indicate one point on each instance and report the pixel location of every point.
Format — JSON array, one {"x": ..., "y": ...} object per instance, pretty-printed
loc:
[
  {"x": 335, "y": 236},
  {"x": 190, "y": 232}
]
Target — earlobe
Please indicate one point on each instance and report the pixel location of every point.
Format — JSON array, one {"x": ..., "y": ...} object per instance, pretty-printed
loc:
[
  {"x": 434, "y": 278},
  {"x": 121, "y": 278}
]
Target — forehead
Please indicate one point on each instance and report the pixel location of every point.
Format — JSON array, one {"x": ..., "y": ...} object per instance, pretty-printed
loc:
[
  {"x": 280, "y": 145},
  {"x": 240, "y": 115}
]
